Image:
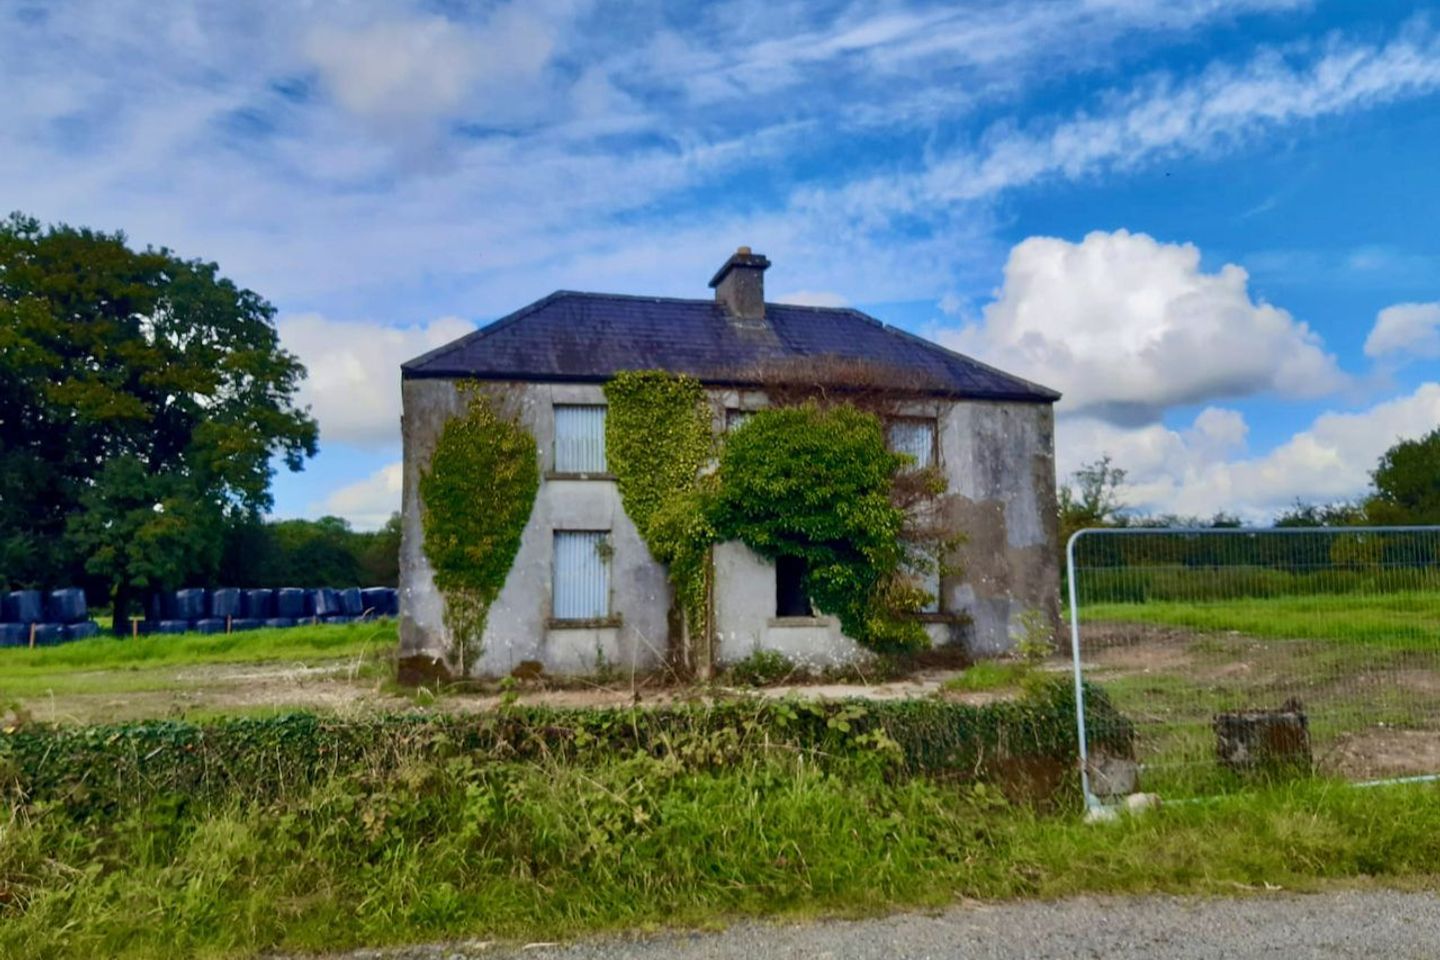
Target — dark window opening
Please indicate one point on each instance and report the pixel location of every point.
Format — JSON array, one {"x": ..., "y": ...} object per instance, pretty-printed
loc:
[{"x": 791, "y": 599}]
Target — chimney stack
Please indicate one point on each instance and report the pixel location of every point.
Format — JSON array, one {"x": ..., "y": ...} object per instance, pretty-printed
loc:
[{"x": 740, "y": 285}]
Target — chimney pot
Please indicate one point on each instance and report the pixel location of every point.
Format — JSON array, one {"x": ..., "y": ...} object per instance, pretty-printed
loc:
[{"x": 740, "y": 285}]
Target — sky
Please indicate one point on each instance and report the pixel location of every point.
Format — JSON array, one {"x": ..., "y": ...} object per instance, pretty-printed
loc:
[{"x": 1211, "y": 224}]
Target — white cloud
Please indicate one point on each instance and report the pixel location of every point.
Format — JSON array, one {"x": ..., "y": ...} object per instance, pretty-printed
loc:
[
  {"x": 1126, "y": 326},
  {"x": 353, "y": 382},
  {"x": 1409, "y": 329},
  {"x": 1202, "y": 470},
  {"x": 812, "y": 298},
  {"x": 368, "y": 503},
  {"x": 1222, "y": 106}
]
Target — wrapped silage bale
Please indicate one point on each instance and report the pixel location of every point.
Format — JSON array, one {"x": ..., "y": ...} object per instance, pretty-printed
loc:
[
  {"x": 290, "y": 603},
  {"x": 225, "y": 602},
  {"x": 23, "y": 606},
  {"x": 351, "y": 604},
  {"x": 188, "y": 604},
  {"x": 258, "y": 604},
  {"x": 323, "y": 602},
  {"x": 83, "y": 630},
  {"x": 66, "y": 606}
]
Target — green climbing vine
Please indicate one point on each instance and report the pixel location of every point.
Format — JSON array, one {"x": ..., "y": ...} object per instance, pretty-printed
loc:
[
  {"x": 805, "y": 480},
  {"x": 477, "y": 494},
  {"x": 818, "y": 483},
  {"x": 657, "y": 442}
]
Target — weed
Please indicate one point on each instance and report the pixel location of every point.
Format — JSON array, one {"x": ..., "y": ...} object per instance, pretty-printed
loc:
[{"x": 762, "y": 669}]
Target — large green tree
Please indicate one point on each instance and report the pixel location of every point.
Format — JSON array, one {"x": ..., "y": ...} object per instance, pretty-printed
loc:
[
  {"x": 1407, "y": 482},
  {"x": 143, "y": 399}
]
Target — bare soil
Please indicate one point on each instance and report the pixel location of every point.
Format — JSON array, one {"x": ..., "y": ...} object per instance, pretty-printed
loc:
[{"x": 1373, "y": 714}]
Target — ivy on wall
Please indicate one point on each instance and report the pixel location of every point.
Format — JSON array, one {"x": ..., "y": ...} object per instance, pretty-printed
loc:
[
  {"x": 477, "y": 494},
  {"x": 658, "y": 440},
  {"x": 817, "y": 483}
]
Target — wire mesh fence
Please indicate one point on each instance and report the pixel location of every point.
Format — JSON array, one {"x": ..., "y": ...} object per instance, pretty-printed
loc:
[{"x": 1244, "y": 653}]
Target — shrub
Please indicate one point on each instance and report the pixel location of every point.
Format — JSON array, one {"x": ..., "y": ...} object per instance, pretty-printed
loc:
[{"x": 762, "y": 668}]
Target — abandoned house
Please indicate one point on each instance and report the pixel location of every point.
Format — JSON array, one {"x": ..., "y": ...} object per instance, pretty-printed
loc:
[{"x": 584, "y": 591}]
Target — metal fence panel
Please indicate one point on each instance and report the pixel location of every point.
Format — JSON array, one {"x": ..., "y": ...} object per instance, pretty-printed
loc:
[{"x": 1241, "y": 653}]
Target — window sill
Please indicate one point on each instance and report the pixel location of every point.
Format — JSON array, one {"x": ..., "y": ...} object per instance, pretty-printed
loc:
[
  {"x": 565, "y": 475},
  {"x": 798, "y": 622},
  {"x": 941, "y": 616},
  {"x": 593, "y": 623}
]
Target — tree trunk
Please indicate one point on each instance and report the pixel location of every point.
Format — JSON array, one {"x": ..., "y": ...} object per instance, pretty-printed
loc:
[{"x": 122, "y": 597}]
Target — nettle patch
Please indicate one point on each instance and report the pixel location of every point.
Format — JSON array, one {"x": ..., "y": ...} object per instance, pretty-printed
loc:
[{"x": 477, "y": 492}]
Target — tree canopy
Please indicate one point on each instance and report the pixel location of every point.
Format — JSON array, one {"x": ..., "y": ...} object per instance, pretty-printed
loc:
[
  {"x": 143, "y": 399},
  {"x": 1407, "y": 482}
]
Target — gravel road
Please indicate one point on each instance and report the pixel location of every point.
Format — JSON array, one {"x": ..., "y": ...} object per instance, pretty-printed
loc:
[{"x": 1388, "y": 924}]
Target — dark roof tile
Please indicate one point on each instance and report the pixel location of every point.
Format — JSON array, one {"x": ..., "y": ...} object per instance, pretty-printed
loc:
[{"x": 588, "y": 337}]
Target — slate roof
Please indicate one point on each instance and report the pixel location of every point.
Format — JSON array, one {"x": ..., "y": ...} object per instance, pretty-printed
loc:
[{"x": 588, "y": 337}]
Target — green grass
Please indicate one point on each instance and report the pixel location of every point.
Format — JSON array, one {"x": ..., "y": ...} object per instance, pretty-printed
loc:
[
  {"x": 108, "y": 664},
  {"x": 990, "y": 675},
  {"x": 1401, "y": 620},
  {"x": 540, "y": 851}
]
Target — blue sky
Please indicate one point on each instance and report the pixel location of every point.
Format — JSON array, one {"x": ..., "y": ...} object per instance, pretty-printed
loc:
[{"x": 1211, "y": 224}]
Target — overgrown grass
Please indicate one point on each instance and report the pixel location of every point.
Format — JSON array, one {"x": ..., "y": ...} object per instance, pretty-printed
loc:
[
  {"x": 989, "y": 675},
  {"x": 1400, "y": 620},
  {"x": 121, "y": 664},
  {"x": 458, "y": 848}
]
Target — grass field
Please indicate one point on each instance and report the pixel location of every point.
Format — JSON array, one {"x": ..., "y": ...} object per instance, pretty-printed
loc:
[
  {"x": 108, "y": 667},
  {"x": 1403, "y": 620}
]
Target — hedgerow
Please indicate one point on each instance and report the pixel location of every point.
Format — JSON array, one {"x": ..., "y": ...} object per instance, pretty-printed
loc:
[{"x": 95, "y": 770}]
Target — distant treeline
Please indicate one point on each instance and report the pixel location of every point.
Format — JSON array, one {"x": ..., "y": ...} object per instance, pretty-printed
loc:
[{"x": 280, "y": 553}]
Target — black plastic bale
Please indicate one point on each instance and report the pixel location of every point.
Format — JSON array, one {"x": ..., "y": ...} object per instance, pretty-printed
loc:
[
  {"x": 290, "y": 603},
  {"x": 258, "y": 604},
  {"x": 66, "y": 605},
  {"x": 210, "y": 625},
  {"x": 23, "y": 606},
  {"x": 322, "y": 602},
  {"x": 375, "y": 601},
  {"x": 351, "y": 604},
  {"x": 245, "y": 623},
  {"x": 225, "y": 602},
  {"x": 82, "y": 631},
  {"x": 14, "y": 634},
  {"x": 171, "y": 626},
  {"x": 278, "y": 622},
  {"x": 49, "y": 634},
  {"x": 187, "y": 604}
]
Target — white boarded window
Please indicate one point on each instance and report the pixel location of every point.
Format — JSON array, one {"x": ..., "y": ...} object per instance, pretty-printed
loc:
[
  {"x": 579, "y": 439},
  {"x": 581, "y": 575},
  {"x": 915, "y": 436}
]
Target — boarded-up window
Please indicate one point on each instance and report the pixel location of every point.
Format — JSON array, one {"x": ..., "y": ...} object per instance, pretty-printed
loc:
[
  {"x": 579, "y": 439},
  {"x": 915, "y": 436},
  {"x": 581, "y": 587}
]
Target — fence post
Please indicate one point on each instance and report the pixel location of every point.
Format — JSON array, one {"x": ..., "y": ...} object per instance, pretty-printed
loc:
[{"x": 1091, "y": 801}]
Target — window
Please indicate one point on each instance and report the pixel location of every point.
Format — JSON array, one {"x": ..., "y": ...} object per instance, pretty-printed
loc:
[
  {"x": 734, "y": 419},
  {"x": 579, "y": 439},
  {"x": 791, "y": 600},
  {"x": 929, "y": 581},
  {"x": 915, "y": 436},
  {"x": 581, "y": 576}
]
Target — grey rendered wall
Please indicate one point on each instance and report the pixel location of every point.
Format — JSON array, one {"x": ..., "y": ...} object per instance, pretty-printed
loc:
[
  {"x": 519, "y": 627},
  {"x": 1000, "y": 461}
]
